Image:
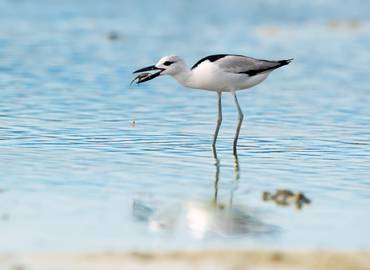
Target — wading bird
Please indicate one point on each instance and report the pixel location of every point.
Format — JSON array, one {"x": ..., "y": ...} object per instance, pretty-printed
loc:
[{"x": 218, "y": 73}]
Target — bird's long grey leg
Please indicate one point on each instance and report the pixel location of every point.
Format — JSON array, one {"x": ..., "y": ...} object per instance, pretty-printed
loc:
[
  {"x": 219, "y": 121},
  {"x": 240, "y": 121}
]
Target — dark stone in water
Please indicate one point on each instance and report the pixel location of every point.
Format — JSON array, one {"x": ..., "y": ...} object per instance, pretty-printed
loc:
[{"x": 113, "y": 35}]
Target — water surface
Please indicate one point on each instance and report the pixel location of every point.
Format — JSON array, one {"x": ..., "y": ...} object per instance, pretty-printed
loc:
[{"x": 77, "y": 174}]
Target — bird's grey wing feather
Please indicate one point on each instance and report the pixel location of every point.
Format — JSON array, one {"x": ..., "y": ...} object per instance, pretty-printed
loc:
[{"x": 247, "y": 65}]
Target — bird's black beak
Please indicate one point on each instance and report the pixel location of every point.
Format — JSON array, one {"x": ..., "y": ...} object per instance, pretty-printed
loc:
[
  {"x": 143, "y": 77},
  {"x": 150, "y": 68}
]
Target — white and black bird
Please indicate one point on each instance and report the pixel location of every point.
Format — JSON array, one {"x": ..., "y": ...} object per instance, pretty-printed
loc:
[{"x": 218, "y": 73}]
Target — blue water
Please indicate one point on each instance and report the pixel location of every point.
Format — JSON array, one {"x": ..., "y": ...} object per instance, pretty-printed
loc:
[{"x": 88, "y": 162}]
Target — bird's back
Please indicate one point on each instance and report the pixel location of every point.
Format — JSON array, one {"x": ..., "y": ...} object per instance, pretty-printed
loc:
[{"x": 225, "y": 72}]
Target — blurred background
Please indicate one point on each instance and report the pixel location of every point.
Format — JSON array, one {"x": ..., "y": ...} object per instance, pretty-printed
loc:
[{"x": 89, "y": 162}]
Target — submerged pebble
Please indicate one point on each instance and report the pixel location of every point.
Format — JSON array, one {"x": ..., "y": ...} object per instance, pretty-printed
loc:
[
  {"x": 114, "y": 35},
  {"x": 285, "y": 197}
]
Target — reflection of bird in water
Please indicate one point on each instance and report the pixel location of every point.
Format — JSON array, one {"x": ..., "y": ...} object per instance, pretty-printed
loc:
[{"x": 202, "y": 219}]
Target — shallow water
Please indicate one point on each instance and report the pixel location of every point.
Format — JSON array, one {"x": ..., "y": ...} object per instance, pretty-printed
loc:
[{"x": 76, "y": 173}]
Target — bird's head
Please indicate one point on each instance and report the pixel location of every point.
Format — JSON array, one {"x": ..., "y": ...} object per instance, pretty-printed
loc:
[{"x": 167, "y": 65}]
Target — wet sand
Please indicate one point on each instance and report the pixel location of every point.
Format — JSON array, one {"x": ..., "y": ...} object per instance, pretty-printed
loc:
[{"x": 215, "y": 260}]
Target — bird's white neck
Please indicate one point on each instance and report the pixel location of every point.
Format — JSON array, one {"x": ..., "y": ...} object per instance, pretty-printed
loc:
[{"x": 184, "y": 77}]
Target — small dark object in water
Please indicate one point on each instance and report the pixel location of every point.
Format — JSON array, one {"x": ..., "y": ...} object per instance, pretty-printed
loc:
[
  {"x": 5, "y": 217},
  {"x": 266, "y": 196},
  {"x": 113, "y": 35},
  {"x": 286, "y": 197},
  {"x": 300, "y": 199}
]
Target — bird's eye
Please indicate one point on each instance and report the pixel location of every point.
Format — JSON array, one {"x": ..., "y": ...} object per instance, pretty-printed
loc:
[{"x": 167, "y": 63}]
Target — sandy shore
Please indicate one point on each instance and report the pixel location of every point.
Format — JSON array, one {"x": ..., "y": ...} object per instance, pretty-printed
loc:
[{"x": 215, "y": 260}]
